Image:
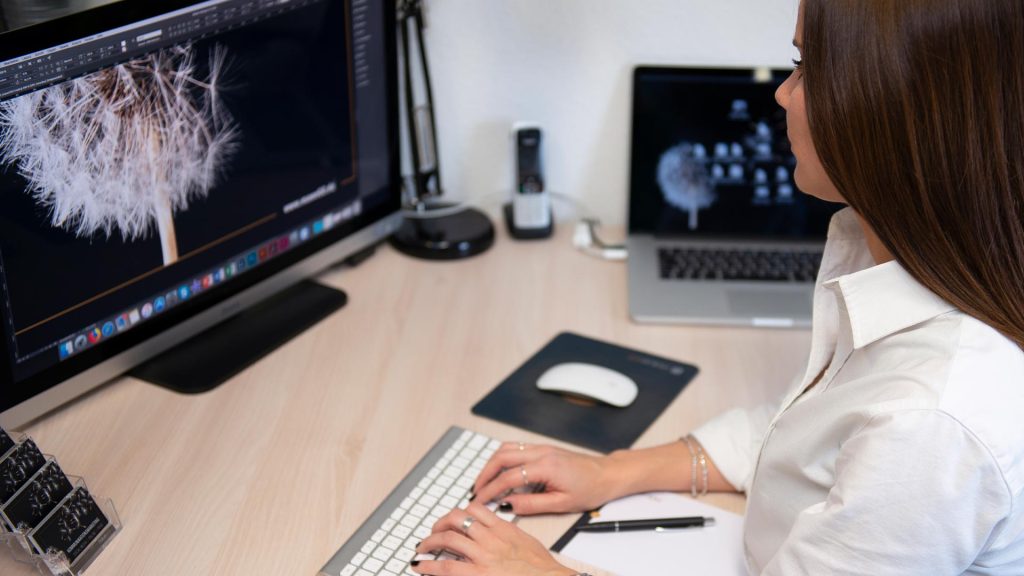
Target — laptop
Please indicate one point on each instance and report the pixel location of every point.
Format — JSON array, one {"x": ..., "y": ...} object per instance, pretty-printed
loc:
[{"x": 718, "y": 231}]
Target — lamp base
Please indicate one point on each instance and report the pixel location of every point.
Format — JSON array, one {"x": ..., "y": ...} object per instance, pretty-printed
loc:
[{"x": 462, "y": 234}]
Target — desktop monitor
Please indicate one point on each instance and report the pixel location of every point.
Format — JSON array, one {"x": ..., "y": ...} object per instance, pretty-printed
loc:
[{"x": 166, "y": 164}]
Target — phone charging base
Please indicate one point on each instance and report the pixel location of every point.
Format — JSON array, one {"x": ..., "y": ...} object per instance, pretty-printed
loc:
[{"x": 523, "y": 233}]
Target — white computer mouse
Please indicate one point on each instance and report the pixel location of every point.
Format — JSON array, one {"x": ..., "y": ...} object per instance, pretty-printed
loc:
[{"x": 590, "y": 381}]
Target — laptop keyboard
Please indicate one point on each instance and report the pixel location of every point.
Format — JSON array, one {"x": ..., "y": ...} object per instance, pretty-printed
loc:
[
  {"x": 384, "y": 544},
  {"x": 738, "y": 265}
]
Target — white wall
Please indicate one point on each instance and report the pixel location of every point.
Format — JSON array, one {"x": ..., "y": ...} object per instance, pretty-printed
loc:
[{"x": 566, "y": 64}]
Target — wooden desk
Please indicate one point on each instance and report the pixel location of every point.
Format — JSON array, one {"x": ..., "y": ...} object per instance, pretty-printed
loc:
[{"x": 271, "y": 472}]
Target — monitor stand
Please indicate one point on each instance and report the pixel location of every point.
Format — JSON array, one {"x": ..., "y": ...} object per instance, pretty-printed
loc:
[{"x": 209, "y": 358}]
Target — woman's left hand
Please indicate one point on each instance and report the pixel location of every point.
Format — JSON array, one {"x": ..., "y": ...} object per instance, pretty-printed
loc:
[{"x": 488, "y": 546}]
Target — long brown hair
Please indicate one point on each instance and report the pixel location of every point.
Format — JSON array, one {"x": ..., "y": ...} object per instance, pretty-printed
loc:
[{"x": 916, "y": 109}]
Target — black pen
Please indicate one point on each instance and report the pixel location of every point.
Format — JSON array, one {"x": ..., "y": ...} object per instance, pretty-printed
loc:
[{"x": 656, "y": 524}]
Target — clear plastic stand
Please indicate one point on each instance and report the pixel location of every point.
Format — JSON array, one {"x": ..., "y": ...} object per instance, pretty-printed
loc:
[
  {"x": 75, "y": 519},
  {"x": 56, "y": 563}
]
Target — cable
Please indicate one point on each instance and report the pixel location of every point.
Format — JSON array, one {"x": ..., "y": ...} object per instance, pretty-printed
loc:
[
  {"x": 586, "y": 240},
  {"x": 577, "y": 207}
]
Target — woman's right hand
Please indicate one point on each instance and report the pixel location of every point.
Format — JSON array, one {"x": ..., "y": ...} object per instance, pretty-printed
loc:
[{"x": 572, "y": 482}]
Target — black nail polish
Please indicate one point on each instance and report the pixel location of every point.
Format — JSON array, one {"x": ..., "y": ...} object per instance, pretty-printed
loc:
[
  {"x": 414, "y": 563},
  {"x": 472, "y": 497},
  {"x": 505, "y": 507}
]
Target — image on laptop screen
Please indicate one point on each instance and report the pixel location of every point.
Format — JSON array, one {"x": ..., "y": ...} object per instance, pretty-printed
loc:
[{"x": 711, "y": 158}]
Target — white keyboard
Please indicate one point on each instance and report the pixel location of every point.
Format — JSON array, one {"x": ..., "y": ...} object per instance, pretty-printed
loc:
[{"x": 442, "y": 480}]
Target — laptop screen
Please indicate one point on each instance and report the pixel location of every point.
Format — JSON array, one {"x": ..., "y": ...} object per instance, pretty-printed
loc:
[{"x": 711, "y": 159}]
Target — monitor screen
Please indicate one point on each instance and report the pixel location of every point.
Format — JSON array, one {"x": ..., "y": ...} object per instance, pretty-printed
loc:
[
  {"x": 711, "y": 159},
  {"x": 158, "y": 158}
]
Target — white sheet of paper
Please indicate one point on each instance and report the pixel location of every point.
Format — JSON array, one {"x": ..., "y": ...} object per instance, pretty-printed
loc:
[{"x": 714, "y": 550}]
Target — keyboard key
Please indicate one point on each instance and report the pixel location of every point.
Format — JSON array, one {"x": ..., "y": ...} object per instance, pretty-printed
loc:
[
  {"x": 349, "y": 570},
  {"x": 382, "y": 554},
  {"x": 396, "y": 565},
  {"x": 405, "y": 554},
  {"x": 410, "y": 521},
  {"x": 401, "y": 531},
  {"x": 479, "y": 441},
  {"x": 391, "y": 543},
  {"x": 373, "y": 565},
  {"x": 368, "y": 548},
  {"x": 359, "y": 558}
]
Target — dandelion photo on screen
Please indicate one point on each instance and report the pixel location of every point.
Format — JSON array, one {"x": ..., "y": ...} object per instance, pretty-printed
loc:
[{"x": 122, "y": 150}]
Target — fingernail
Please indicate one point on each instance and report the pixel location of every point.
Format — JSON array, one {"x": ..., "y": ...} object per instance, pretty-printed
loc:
[
  {"x": 505, "y": 507},
  {"x": 472, "y": 496},
  {"x": 414, "y": 563}
]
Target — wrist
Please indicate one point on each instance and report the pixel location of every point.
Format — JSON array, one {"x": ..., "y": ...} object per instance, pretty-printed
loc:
[
  {"x": 664, "y": 467},
  {"x": 620, "y": 474}
]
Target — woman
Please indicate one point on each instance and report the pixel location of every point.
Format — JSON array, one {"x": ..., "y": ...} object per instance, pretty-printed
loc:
[{"x": 901, "y": 450}]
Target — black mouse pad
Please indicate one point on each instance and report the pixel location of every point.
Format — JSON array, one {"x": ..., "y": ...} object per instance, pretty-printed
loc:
[{"x": 518, "y": 401}]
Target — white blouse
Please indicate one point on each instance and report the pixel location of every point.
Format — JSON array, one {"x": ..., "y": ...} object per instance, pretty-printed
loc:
[{"x": 906, "y": 458}]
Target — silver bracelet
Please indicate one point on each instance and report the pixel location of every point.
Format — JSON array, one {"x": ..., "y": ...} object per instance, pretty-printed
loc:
[
  {"x": 703, "y": 469},
  {"x": 693, "y": 466}
]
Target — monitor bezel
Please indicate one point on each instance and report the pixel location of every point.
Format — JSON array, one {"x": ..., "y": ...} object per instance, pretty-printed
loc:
[{"x": 61, "y": 383}]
